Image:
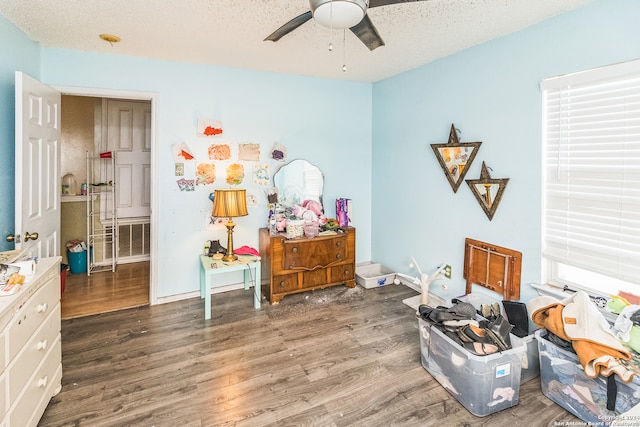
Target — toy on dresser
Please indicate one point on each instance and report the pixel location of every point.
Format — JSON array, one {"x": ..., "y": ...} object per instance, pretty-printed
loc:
[{"x": 13, "y": 275}]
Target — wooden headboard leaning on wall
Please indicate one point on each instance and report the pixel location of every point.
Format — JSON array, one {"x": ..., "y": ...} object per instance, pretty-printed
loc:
[{"x": 493, "y": 267}]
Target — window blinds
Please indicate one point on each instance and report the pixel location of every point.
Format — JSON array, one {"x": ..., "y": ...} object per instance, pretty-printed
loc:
[{"x": 591, "y": 204}]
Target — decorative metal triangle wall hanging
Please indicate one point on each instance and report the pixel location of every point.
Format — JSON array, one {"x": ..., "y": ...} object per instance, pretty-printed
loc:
[
  {"x": 488, "y": 191},
  {"x": 455, "y": 157}
]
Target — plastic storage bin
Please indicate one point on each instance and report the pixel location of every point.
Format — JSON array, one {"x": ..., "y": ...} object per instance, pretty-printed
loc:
[
  {"x": 563, "y": 380},
  {"x": 77, "y": 262},
  {"x": 373, "y": 275},
  {"x": 482, "y": 384},
  {"x": 530, "y": 359}
]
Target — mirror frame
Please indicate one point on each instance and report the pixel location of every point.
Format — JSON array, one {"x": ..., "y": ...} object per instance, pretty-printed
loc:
[
  {"x": 454, "y": 142},
  {"x": 320, "y": 196},
  {"x": 485, "y": 179}
]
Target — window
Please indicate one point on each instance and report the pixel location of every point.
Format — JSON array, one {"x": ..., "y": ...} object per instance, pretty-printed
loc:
[{"x": 591, "y": 173}]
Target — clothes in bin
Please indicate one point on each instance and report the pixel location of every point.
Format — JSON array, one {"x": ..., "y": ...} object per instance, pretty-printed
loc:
[
  {"x": 563, "y": 380},
  {"x": 482, "y": 384},
  {"x": 530, "y": 360}
]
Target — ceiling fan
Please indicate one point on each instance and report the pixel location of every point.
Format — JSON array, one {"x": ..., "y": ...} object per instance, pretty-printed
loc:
[{"x": 341, "y": 14}]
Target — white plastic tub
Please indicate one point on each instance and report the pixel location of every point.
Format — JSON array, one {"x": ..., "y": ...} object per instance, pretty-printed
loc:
[{"x": 374, "y": 275}]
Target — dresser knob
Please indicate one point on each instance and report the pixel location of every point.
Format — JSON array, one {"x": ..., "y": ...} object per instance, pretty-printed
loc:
[
  {"x": 294, "y": 250},
  {"x": 42, "y": 345},
  {"x": 282, "y": 284},
  {"x": 339, "y": 243},
  {"x": 339, "y": 256},
  {"x": 346, "y": 272},
  {"x": 42, "y": 307}
]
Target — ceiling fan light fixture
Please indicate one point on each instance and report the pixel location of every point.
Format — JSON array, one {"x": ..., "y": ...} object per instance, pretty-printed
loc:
[{"x": 338, "y": 14}]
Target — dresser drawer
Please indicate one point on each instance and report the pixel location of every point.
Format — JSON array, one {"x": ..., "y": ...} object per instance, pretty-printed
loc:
[
  {"x": 3, "y": 346},
  {"x": 285, "y": 283},
  {"x": 3, "y": 393},
  {"x": 31, "y": 315},
  {"x": 342, "y": 273},
  {"x": 314, "y": 278},
  {"x": 295, "y": 265},
  {"x": 33, "y": 353},
  {"x": 307, "y": 254},
  {"x": 41, "y": 386}
]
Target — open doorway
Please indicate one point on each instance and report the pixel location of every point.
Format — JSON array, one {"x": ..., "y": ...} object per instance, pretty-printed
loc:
[{"x": 97, "y": 124}]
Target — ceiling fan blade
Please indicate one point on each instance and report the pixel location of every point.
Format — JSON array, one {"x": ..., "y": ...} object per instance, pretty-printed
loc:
[
  {"x": 377, "y": 3},
  {"x": 289, "y": 26},
  {"x": 367, "y": 33}
]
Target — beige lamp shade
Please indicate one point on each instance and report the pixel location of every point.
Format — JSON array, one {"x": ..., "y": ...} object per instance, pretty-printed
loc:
[{"x": 229, "y": 203}]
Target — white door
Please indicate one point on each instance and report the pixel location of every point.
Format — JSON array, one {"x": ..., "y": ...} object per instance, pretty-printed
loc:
[
  {"x": 37, "y": 204},
  {"x": 129, "y": 135}
]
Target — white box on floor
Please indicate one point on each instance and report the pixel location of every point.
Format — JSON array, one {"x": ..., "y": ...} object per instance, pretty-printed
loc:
[
  {"x": 374, "y": 275},
  {"x": 482, "y": 384}
]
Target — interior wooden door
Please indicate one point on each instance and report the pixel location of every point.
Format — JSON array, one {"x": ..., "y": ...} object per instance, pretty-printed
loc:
[{"x": 37, "y": 176}]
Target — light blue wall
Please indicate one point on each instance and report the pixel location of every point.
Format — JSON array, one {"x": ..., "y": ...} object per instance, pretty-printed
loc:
[
  {"x": 17, "y": 53},
  {"x": 364, "y": 137},
  {"x": 491, "y": 93},
  {"x": 325, "y": 121}
]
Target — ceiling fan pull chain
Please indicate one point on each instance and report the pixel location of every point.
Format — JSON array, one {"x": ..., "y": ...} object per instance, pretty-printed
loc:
[
  {"x": 344, "y": 51},
  {"x": 330, "y": 26}
]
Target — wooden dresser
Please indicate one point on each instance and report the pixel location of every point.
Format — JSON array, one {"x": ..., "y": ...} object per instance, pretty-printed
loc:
[
  {"x": 296, "y": 265},
  {"x": 30, "y": 348}
]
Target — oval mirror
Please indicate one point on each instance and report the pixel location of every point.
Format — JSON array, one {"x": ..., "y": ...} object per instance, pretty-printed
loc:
[{"x": 298, "y": 181}]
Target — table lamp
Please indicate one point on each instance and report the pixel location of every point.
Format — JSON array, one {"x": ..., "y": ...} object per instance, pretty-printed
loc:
[{"x": 229, "y": 203}]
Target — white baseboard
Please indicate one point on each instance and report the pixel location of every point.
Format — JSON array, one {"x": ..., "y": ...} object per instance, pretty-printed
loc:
[{"x": 194, "y": 294}]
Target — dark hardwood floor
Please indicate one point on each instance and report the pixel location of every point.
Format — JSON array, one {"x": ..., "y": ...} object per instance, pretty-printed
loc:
[{"x": 334, "y": 357}]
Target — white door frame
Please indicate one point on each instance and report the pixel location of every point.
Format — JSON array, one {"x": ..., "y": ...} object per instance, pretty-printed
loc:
[{"x": 153, "y": 98}]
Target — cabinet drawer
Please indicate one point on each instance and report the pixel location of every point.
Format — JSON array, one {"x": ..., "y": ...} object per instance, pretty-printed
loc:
[
  {"x": 31, "y": 315},
  {"x": 3, "y": 344},
  {"x": 285, "y": 283},
  {"x": 314, "y": 278},
  {"x": 342, "y": 273},
  {"x": 33, "y": 353},
  {"x": 39, "y": 389},
  {"x": 3, "y": 393},
  {"x": 314, "y": 253}
]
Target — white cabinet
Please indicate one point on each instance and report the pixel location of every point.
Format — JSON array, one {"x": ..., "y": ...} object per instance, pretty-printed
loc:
[{"x": 30, "y": 348}]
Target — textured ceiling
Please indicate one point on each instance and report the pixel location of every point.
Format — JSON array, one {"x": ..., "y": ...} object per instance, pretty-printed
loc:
[{"x": 231, "y": 32}]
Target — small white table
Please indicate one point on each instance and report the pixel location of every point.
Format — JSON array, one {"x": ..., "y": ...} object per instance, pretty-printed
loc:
[{"x": 209, "y": 267}]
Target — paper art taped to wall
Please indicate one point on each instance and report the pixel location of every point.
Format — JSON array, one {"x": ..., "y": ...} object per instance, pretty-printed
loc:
[
  {"x": 209, "y": 127},
  {"x": 279, "y": 153},
  {"x": 205, "y": 173},
  {"x": 235, "y": 174},
  {"x": 253, "y": 198},
  {"x": 219, "y": 152},
  {"x": 261, "y": 174},
  {"x": 249, "y": 152},
  {"x": 179, "y": 168},
  {"x": 181, "y": 152},
  {"x": 186, "y": 184}
]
